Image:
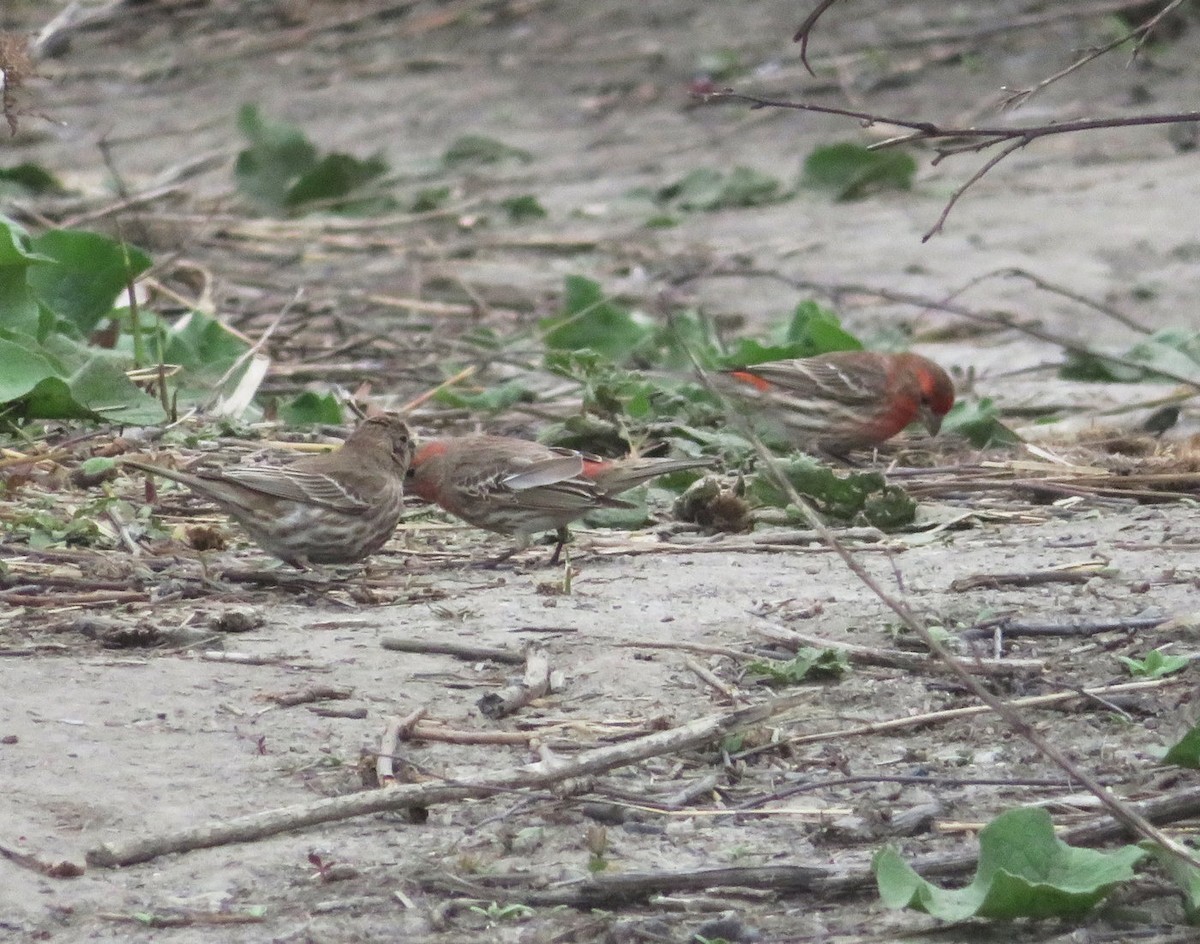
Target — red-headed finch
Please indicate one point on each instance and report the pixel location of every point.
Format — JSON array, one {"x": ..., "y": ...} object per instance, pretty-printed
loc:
[
  {"x": 335, "y": 508},
  {"x": 847, "y": 400},
  {"x": 520, "y": 488}
]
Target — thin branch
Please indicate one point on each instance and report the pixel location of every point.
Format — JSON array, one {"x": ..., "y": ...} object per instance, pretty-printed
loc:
[
  {"x": 1009, "y": 24},
  {"x": 968, "y": 139},
  {"x": 931, "y": 131},
  {"x": 806, "y": 28},
  {"x": 972, "y": 180},
  {"x": 534, "y": 776},
  {"x": 1046, "y": 286},
  {"x": 1139, "y": 34}
]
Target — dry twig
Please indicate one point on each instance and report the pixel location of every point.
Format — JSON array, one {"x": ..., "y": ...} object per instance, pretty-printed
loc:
[
  {"x": 533, "y": 685},
  {"x": 960, "y": 140},
  {"x": 535, "y": 776}
]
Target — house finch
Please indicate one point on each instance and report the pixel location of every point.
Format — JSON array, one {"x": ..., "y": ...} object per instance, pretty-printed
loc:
[
  {"x": 335, "y": 508},
  {"x": 517, "y": 487},
  {"x": 847, "y": 400}
]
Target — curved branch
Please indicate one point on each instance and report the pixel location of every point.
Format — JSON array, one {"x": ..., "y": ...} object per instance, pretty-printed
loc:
[
  {"x": 971, "y": 181},
  {"x": 964, "y": 139},
  {"x": 1139, "y": 34},
  {"x": 802, "y": 33}
]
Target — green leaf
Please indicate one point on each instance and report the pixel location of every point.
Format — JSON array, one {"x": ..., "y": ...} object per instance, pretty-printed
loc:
[
  {"x": 203, "y": 345},
  {"x": 1024, "y": 871},
  {"x": 21, "y": 370},
  {"x": 309, "y": 408},
  {"x": 750, "y": 351},
  {"x": 810, "y": 331},
  {"x": 979, "y": 422},
  {"x": 1186, "y": 753},
  {"x": 29, "y": 179},
  {"x": 523, "y": 209},
  {"x": 97, "y": 465},
  {"x": 334, "y": 180},
  {"x": 1155, "y": 665},
  {"x": 89, "y": 271},
  {"x": 858, "y": 497},
  {"x": 819, "y": 331},
  {"x": 586, "y": 433},
  {"x": 1174, "y": 350},
  {"x": 807, "y": 665},
  {"x": 52, "y": 399},
  {"x": 490, "y": 400},
  {"x": 102, "y": 388},
  {"x": 279, "y": 154},
  {"x": 591, "y": 322},
  {"x": 707, "y": 189},
  {"x": 15, "y": 247},
  {"x": 1093, "y": 368},
  {"x": 851, "y": 172},
  {"x": 431, "y": 198},
  {"x": 479, "y": 149}
]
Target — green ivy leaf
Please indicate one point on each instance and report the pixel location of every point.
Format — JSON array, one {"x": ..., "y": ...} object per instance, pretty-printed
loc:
[
  {"x": 490, "y": 400},
  {"x": 29, "y": 179},
  {"x": 1155, "y": 665},
  {"x": 1186, "y": 753},
  {"x": 310, "y": 408},
  {"x": 705, "y": 189},
  {"x": 811, "y": 330},
  {"x": 431, "y": 198},
  {"x": 203, "y": 345},
  {"x": 636, "y": 515},
  {"x": 480, "y": 149},
  {"x": 1174, "y": 350},
  {"x": 858, "y": 497},
  {"x": 522, "y": 209},
  {"x": 851, "y": 171},
  {"x": 591, "y": 322},
  {"x": 978, "y": 422},
  {"x": 819, "y": 331},
  {"x": 87, "y": 274},
  {"x": 809, "y": 664},
  {"x": 279, "y": 154},
  {"x": 334, "y": 180},
  {"x": 97, "y": 465},
  {"x": 1024, "y": 871}
]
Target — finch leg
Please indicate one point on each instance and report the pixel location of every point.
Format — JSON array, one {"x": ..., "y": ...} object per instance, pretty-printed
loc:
[
  {"x": 499, "y": 558},
  {"x": 563, "y": 537}
]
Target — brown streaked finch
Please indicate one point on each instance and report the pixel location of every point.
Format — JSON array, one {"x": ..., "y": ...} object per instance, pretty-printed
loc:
[
  {"x": 520, "y": 488},
  {"x": 335, "y": 508},
  {"x": 847, "y": 400}
]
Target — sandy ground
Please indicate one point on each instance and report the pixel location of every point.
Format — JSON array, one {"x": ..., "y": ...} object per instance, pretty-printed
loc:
[{"x": 101, "y": 744}]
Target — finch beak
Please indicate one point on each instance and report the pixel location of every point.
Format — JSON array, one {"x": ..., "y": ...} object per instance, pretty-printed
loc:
[{"x": 930, "y": 420}]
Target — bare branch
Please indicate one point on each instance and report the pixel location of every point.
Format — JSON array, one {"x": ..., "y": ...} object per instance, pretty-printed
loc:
[
  {"x": 974, "y": 178},
  {"x": 965, "y": 139},
  {"x": 1140, "y": 34},
  {"x": 806, "y": 28}
]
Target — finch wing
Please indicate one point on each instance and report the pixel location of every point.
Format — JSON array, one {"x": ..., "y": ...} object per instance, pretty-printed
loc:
[
  {"x": 542, "y": 473},
  {"x": 818, "y": 381},
  {"x": 312, "y": 488}
]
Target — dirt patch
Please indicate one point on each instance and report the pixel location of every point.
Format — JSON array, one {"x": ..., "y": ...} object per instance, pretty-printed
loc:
[{"x": 105, "y": 740}]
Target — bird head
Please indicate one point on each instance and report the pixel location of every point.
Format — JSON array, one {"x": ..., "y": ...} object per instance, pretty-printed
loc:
[
  {"x": 423, "y": 471},
  {"x": 937, "y": 392},
  {"x": 389, "y": 434}
]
